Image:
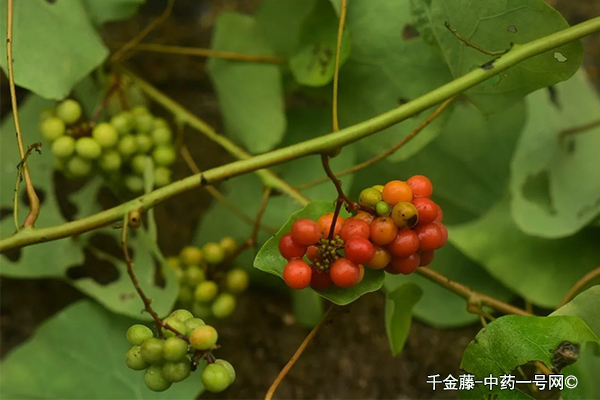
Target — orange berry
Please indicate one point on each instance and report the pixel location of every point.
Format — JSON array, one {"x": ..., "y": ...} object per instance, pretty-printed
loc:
[
  {"x": 421, "y": 186},
  {"x": 380, "y": 259},
  {"x": 364, "y": 216},
  {"x": 396, "y": 191},
  {"x": 325, "y": 221},
  {"x": 383, "y": 231}
]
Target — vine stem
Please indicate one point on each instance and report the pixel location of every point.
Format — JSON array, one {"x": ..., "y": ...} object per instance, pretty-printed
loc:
[
  {"x": 336, "y": 73},
  {"x": 34, "y": 201},
  {"x": 473, "y": 45},
  {"x": 319, "y": 145},
  {"x": 297, "y": 354},
  {"x": 579, "y": 129},
  {"x": 584, "y": 280},
  {"x": 474, "y": 299}
]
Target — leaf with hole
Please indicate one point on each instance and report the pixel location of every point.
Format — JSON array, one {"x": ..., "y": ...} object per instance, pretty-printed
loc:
[{"x": 398, "y": 314}]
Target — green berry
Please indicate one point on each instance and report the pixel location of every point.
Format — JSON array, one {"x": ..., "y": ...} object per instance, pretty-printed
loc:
[
  {"x": 137, "y": 333},
  {"x": 162, "y": 135},
  {"x": 152, "y": 350},
  {"x": 47, "y": 113},
  {"x": 122, "y": 122},
  {"x": 237, "y": 280},
  {"x": 155, "y": 380},
  {"x": 181, "y": 315},
  {"x": 201, "y": 310},
  {"x": 175, "y": 324},
  {"x": 191, "y": 255},
  {"x": 164, "y": 155},
  {"x": 175, "y": 349},
  {"x": 144, "y": 143},
  {"x": 173, "y": 262},
  {"x": 185, "y": 294},
  {"x": 138, "y": 163},
  {"x": 206, "y": 291},
  {"x": 160, "y": 123},
  {"x": 134, "y": 360},
  {"x": 224, "y": 305},
  {"x": 228, "y": 244},
  {"x": 213, "y": 253},
  {"x": 144, "y": 123},
  {"x": 194, "y": 275},
  {"x": 105, "y": 134},
  {"x": 228, "y": 367},
  {"x": 140, "y": 110},
  {"x": 127, "y": 146},
  {"x": 134, "y": 184},
  {"x": 52, "y": 128},
  {"x": 86, "y": 147},
  {"x": 110, "y": 161},
  {"x": 204, "y": 337},
  {"x": 215, "y": 378},
  {"x": 176, "y": 371},
  {"x": 60, "y": 164},
  {"x": 192, "y": 324},
  {"x": 382, "y": 208},
  {"x": 162, "y": 176},
  {"x": 79, "y": 167},
  {"x": 63, "y": 147},
  {"x": 369, "y": 197},
  {"x": 69, "y": 111}
]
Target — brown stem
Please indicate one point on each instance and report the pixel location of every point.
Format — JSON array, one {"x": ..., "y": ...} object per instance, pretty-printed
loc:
[
  {"x": 336, "y": 73},
  {"x": 34, "y": 201},
  {"x": 259, "y": 215},
  {"x": 341, "y": 199},
  {"x": 470, "y": 295},
  {"x": 297, "y": 354},
  {"x": 584, "y": 280},
  {"x": 115, "y": 86},
  {"x": 579, "y": 129},
  {"x": 473, "y": 45},
  {"x": 386, "y": 153}
]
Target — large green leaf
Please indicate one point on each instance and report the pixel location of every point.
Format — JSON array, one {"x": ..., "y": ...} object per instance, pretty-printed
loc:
[
  {"x": 398, "y": 314},
  {"x": 250, "y": 94},
  {"x": 494, "y": 25},
  {"x": 541, "y": 270},
  {"x": 45, "y": 36},
  {"x": 512, "y": 341},
  {"x": 80, "y": 354},
  {"x": 102, "y": 11},
  {"x": 552, "y": 193},
  {"x": 270, "y": 260}
]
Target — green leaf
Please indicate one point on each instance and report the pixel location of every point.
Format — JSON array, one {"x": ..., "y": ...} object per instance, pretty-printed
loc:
[
  {"x": 45, "y": 35},
  {"x": 552, "y": 195},
  {"x": 314, "y": 62},
  {"x": 584, "y": 306},
  {"x": 270, "y": 260},
  {"x": 398, "y": 314},
  {"x": 512, "y": 341},
  {"x": 308, "y": 307},
  {"x": 102, "y": 11},
  {"x": 80, "y": 354},
  {"x": 250, "y": 94},
  {"x": 493, "y": 26},
  {"x": 540, "y": 270}
]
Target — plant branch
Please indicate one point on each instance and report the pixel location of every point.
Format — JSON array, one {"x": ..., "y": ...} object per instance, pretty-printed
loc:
[
  {"x": 472, "y": 297},
  {"x": 36, "y": 146},
  {"x": 319, "y": 145},
  {"x": 579, "y": 129},
  {"x": 473, "y": 45},
  {"x": 261, "y": 211},
  {"x": 34, "y": 201},
  {"x": 336, "y": 73},
  {"x": 584, "y": 280},
  {"x": 297, "y": 354}
]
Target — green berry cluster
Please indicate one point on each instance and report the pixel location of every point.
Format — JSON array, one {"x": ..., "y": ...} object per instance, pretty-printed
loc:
[
  {"x": 171, "y": 358},
  {"x": 208, "y": 286},
  {"x": 118, "y": 148}
]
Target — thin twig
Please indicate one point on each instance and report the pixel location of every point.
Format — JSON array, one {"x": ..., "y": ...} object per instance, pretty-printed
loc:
[
  {"x": 144, "y": 32},
  {"x": 386, "y": 153},
  {"x": 261, "y": 211},
  {"x": 579, "y": 129},
  {"x": 470, "y": 295},
  {"x": 336, "y": 74},
  {"x": 473, "y": 45},
  {"x": 207, "y": 53},
  {"x": 114, "y": 87},
  {"x": 36, "y": 146},
  {"x": 297, "y": 354},
  {"x": 584, "y": 280},
  {"x": 341, "y": 199},
  {"x": 34, "y": 201}
]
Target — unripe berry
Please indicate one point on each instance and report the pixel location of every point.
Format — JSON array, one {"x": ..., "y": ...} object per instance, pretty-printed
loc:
[
  {"x": 175, "y": 348},
  {"x": 228, "y": 367},
  {"x": 105, "y": 134},
  {"x": 127, "y": 146},
  {"x": 63, "y": 147},
  {"x": 52, "y": 128},
  {"x": 176, "y": 371},
  {"x": 191, "y": 255},
  {"x": 382, "y": 208},
  {"x": 228, "y": 244},
  {"x": 151, "y": 350},
  {"x": 194, "y": 275},
  {"x": 110, "y": 161},
  {"x": 88, "y": 148},
  {"x": 155, "y": 380},
  {"x": 69, "y": 111},
  {"x": 122, "y": 122},
  {"x": 140, "y": 110},
  {"x": 201, "y": 310},
  {"x": 138, "y": 163},
  {"x": 144, "y": 142},
  {"x": 134, "y": 360},
  {"x": 134, "y": 184},
  {"x": 213, "y": 253},
  {"x": 185, "y": 294},
  {"x": 215, "y": 378},
  {"x": 164, "y": 155},
  {"x": 369, "y": 198},
  {"x": 47, "y": 113},
  {"x": 224, "y": 305},
  {"x": 137, "y": 333},
  {"x": 378, "y": 187},
  {"x": 78, "y": 167},
  {"x": 161, "y": 135},
  {"x": 204, "y": 337},
  {"x": 237, "y": 280},
  {"x": 181, "y": 315},
  {"x": 144, "y": 122},
  {"x": 175, "y": 324},
  {"x": 162, "y": 176},
  {"x": 191, "y": 324},
  {"x": 405, "y": 215},
  {"x": 206, "y": 291}
]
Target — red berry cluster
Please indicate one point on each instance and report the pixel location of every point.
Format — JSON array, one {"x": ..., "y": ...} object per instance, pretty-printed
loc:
[{"x": 397, "y": 229}]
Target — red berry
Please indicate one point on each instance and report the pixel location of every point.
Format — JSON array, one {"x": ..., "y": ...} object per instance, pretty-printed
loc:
[
  {"x": 344, "y": 273},
  {"x": 426, "y": 258},
  {"x": 444, "y": 233},
  {"x": 297, "y": 274},
  {"x": 380, "y": 259},
  {"x": 427, "y": 210},
  {"x": 361, "y": 273},
  {"x": 289, "y": 248},
  {"x": 390, "y": 269},
  {"x": 359, "y": 250},
  {"x": 325, "y": 221},
  {"x": 440, "y": 214},
  {"x": 305, "y": 231},
  {"x": 311, "y": 253},
  {"x": 405, "y": 243},
  {"x": 406, "y": 265},
  {"x": 355, "y": 228},
  {"x": 364, "y": 216},
  {"x": 320, "y": 280},
  {"x": 430, "y": 237},
  {"x": 421, "y": 186},
  {"x": 383, "y": 231}
]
